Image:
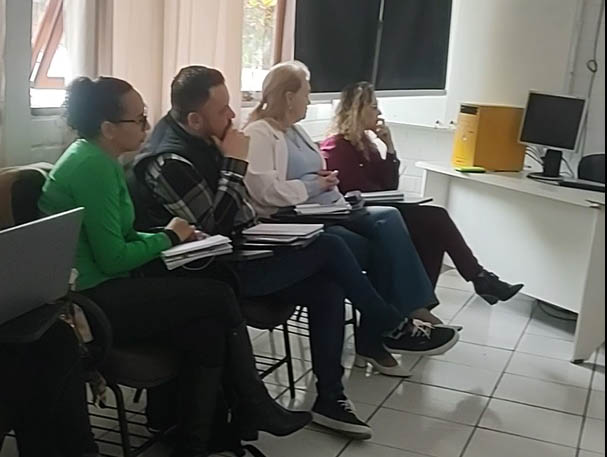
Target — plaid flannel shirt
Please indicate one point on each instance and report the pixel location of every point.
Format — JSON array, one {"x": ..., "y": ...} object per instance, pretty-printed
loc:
[{"x": 185, "y": 193}]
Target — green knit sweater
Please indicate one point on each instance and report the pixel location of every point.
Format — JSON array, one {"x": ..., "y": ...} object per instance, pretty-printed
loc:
[{"x": 108, "y": 247}]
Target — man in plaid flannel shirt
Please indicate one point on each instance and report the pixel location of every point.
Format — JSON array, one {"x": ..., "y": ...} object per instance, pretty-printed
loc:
[{"x": 193, "y": 178}]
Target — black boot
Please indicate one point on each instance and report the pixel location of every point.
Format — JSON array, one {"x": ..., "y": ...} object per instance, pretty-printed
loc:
[
  {"x": 492, "y": 289},
  {"x": 199, "y": 388},
  {"x": 256, "y": 410}
]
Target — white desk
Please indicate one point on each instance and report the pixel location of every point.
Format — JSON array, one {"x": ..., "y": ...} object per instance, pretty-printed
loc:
[{"x": 551, "y": 238}]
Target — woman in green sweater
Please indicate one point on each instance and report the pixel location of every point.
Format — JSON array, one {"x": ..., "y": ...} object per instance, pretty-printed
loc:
[{"x": 199, "y": 317}]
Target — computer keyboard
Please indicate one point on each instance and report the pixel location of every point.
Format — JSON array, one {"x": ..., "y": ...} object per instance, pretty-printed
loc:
[{"x": 583, "y": 184}]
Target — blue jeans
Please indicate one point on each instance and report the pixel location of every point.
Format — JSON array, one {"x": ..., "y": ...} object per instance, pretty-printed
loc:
[
  {"x": 320, "y": 277},
  {"x": 382, "y": 245}
]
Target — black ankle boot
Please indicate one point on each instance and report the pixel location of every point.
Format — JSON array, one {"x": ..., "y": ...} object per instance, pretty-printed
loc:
[
  {"x": 256, "y": 410},
  {"x": 199, "y": 388},
  {"x": 492, "y": 289}
]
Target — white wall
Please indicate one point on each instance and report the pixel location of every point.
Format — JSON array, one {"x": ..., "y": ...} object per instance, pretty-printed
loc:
[
  {"x": 590, "y": 19},
  {"x": 504, "y": 48}
]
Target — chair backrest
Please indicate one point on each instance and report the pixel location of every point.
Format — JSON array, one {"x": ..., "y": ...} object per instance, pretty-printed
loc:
[
  {"x": 592, "y": 168},
  {"x": 20, "y": 189}
]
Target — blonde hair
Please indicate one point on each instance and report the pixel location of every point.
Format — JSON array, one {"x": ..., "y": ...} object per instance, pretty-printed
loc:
[
  {"x": 282, "y": 78},
  {"x": 348, "y": 115}
]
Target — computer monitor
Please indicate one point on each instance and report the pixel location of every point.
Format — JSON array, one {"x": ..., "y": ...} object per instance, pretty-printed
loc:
[{"x": 552, "y": 121}]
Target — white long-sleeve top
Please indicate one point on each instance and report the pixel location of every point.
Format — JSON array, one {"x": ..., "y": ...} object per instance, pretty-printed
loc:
[{"x": 266, "y": 177}]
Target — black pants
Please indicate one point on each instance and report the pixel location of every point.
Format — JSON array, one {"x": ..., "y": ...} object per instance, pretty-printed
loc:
[
  {"x": 434, "y": 233},
  {"x": 191, "y": 315},
  {"x": 320, "y": 277},
  {"x": 44, "y": 391}
]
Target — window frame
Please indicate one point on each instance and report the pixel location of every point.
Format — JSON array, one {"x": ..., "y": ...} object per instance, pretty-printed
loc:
[
  {"x": 47, "y": 42},
  {"x": 320, "y": 97}
]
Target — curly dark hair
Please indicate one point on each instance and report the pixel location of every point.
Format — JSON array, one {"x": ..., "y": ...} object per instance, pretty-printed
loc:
[{"x": 90, "y": 103}]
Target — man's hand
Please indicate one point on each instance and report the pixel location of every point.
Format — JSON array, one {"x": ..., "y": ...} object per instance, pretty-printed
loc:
[
  {"x": 181, "y": 228},
  {"x": 235, "y": 144}
]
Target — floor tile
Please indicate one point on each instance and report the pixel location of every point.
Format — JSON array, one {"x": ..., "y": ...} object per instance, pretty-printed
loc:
[
  {"x": 9, "y": 448},
  {"x": 545, "y": 325},
  {"x": 532, "y": 422},
  {"x": 305, "y": 443},
  {"x": 451, "y": 302},
  {"x": 276, "y": 390},
  {"x": 453, "y": 280},
  {"x": 520, "y": 305},
  {"x": 593, "y": 437},
  {"x": 419, "y": 434},
  {"x": 589, "y": 454},
  {"x": 273, "y": 344},
  {"x": 437, "y": 402},
  {"x": 488, "y": 443},
  {"x": 454, "y": 376},
  {"x": 546, "y": 347},
  {"x": 280, "y": 376},
  {"x": 553, "y": 370},
  {"x": 364, "y": 449},
  {"x": 545, "y": 394},
  {"x": 473, "y": 355},
  {"x": 361, "y": 386},
  {"x": 596, "y": 405},
  {"x": 486, "y": 326}
]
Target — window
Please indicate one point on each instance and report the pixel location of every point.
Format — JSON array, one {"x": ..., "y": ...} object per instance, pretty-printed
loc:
[
  {"x": 396, "y": 44},
  {"x": 258, "y": 43},
  {"x": 50, "y": 60}
]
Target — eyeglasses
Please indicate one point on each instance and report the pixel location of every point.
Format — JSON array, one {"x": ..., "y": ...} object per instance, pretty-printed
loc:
[{"x": 143, "y": 121}]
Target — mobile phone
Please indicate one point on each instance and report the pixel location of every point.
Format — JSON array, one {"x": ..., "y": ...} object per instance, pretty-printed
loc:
[{"x": 471, "y": 169}]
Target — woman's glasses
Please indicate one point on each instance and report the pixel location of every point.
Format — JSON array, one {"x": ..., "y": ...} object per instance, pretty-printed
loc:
[{"x": 142, "y": 121}]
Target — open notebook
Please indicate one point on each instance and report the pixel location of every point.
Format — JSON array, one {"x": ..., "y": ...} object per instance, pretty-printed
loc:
[
  {"x": 185, "y": 253},
  {"x": 316, "y": 209}
]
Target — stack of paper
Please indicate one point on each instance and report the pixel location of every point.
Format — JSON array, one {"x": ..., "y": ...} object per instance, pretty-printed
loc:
[
  {"x": 315, "y": 209},
  {"x": 384, "y": 196},
  {"x": 281, "y": 234},
  {"x": 182, "y": 254}
]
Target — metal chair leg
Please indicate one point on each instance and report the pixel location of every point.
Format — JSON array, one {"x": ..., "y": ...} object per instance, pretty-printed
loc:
[
  {"x": 289, "y": 360},
  {"x": 124, "y": 426}
]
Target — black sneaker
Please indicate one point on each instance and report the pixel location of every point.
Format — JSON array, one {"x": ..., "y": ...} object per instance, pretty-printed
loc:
[
  {"x": 339, "y": 415},
  {"x": 421, "y": 338},
  {"x": 492, "y": 289}
]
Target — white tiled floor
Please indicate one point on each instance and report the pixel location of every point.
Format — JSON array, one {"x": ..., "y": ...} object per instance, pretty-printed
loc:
[{"x": 506, "y": 390}]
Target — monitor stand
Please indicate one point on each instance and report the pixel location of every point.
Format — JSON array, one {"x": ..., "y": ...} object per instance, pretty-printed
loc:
[{"x": 552, "y": 163}]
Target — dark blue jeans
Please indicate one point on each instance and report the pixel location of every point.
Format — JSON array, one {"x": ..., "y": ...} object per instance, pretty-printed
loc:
[
  {"x": 320, "y": 277},
  {"x": 383, "y": 247}
]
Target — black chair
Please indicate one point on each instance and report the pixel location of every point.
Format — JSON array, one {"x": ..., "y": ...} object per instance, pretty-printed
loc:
[
  {"x": 269, "y": 313},
  {"x": 592, "y": 168}
]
